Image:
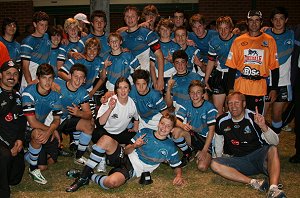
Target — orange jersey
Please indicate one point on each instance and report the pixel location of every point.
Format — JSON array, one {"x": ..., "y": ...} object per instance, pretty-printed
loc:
[
  {"x": 253, "y": 56},
  {"x": 4, "y": 55}
]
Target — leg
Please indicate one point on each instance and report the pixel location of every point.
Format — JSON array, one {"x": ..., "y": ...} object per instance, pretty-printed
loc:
[
  {"x": 203, "y": 160},
  {"x": 5, "y": 158},
  {"x": 273, "y": 165},
  {"x": 218, "y": 100},
  {"x": 85, "y": 137}
]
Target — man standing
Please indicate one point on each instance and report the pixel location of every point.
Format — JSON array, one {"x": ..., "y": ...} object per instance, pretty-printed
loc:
[
  {"x": 12, "y": 128},
  {"x": 250, "y": 144},
  {"x": 253, "y": 56}
]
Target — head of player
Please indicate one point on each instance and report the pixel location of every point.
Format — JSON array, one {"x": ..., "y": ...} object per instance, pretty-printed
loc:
[
  {"x": 78, "y": 73},
  {"x": 141, "y": 79},
  {"x": 45, "y": 75},
  {"x": 180, "y": 61},
  {"x": 279, "y": 17},
  {"x": 224, "y": 27},
  {"x": 122, "y": 89},
  {"x": 254, "y": 22},
  {"x": 40, "y": 23},
  {"x": 9, "y": 75},
  {"x": 92, "y": 48},
  {"x": 165, "y": 126},
  {"x": 198, "y": 25},
  {"x": 236, "y": 102},
  {"x": 196, "y": 92}
]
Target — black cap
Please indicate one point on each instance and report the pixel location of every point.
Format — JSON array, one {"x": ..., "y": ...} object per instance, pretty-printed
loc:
[
  {"x": 9, "y": 64},
  {"x": 252, "y": 13}
]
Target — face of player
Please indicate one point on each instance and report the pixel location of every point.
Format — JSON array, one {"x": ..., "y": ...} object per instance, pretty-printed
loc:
[
  {"x": 178, "y": 19},
  {"x": 131, "y": 19},
  {"x": 164, "y": 32},
  {"x": 151, "y": 17},
  {"x": 196, "y": 95},
  {"x": 9, "y": 78},
  {"x": 77, "y": 79},
  {"x": 141, "y": 86},
  {"x": 180, "y": 65},
  {"x": 224, "y": 31},
  {"x": 123, "y": 90},
  {"x": 45, "y": 83},
  {"x": 11, "y": 29},
  {"x": 114, "y": 43},
  {"x": 199, "y": 29},
  {"x": 98, "y": 24},
  {"x": 91, "y": 52},
  {"x": 165, "y": 126},
  {"x": 55, "y": 40},
  {"x": 279, "y": 22},
  {"x": 254, "y": 24},
  {"x": 72, "y": 31},
  {"x": 40, "y": 27},
  {"x": 236, "y": 106},
  {"x": 181, "y": 37}
]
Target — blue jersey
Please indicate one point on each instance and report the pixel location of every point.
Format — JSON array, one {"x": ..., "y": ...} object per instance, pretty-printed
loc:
[
  {"x": 93, "y": 67},
  {"x": 103, "y": 43},
  {"x": 53, "y": 59},
  {"x": 180, "y": 89},
  {"x": 40, "y": 105},
  {"x": 219, "y": 50},
  {"x": 285, "y": 46},
  {"x": 36, "y": 49},
  {"x": 202, "y": 43},
  {"x": 68, "y": 97},
  {"x": 156, "y": 151},
  {"x": 13, "y": 48},
  {"x": 65, "y": 49},
  {"x": 192, "y": 52},
  {"x": 121, "y": 65},
  {"x": 139, "y": 41},
  {"x": 200, "y": 118},
  {"x": 149, "y": 105}
]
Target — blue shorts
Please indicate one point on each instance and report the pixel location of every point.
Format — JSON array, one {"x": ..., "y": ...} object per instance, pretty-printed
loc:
[{"x": 251, "y": 164}]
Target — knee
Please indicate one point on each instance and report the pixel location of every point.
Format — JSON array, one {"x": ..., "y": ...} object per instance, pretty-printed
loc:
[
  {"x": 113, "y": 182},
  {"x": 202, "y": 167},
  {"x": 105, "y": 142},
  {"x": 43, "y": 167},
  {"x": 273, "y": 151}
]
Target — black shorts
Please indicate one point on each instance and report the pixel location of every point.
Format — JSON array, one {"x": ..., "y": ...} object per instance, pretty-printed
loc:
[
  {"x": 198, "y": 142},
  {"x": 120, "y": 163},
  {"x": 218, "y": 82},
  {"x": 284, "y": 94},
  {"x": 123, "y": 138},
  {"x": 68, "y": 125},
  {"x": 49, "y": 150},
  {"x": 255, "y": 101}
]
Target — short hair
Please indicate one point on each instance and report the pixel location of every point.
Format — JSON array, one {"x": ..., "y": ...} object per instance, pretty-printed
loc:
[
  {"x": 197, "y": 18},
  {"x": 242, "y": 96},
  {"x": 78, "y": 67},
  {"x": 181, "y": 28},
  {"x": 279, "y": 10},
  {"x": 179, "y": 10},
  {"x": 224, "y": 20},
  {"x": 119, "y": 80},
  {"x": 150, "y": 9},
  {"x": 55, "y": 30},
  {"x": 69, "y": 22},
  {"x": 45, "y": 69},
  {"x": 114, "y": 34},
  {"x": 40, "y": 16},
  {"x": 168, "y": 23},
  {"x": 242, "y": 25},
  {"x": 92, "y": 42},
  {"x": 7, "y": 21},
  {"x": 100, "y": 14},
  {"x": 180, "y": 54},
  {"x": 170, "y": 117},
  {"x": 141, "y": 74},
  {"x": 197, "y": 83},
  {"x": 131, "y": 8}
]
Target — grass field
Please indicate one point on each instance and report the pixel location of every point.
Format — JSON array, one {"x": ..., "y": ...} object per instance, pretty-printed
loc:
[{"x": 197, "y": 184}]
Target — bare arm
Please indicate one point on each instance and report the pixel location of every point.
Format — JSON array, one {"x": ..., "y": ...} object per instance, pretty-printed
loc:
[{"x": 26, "y": 72}]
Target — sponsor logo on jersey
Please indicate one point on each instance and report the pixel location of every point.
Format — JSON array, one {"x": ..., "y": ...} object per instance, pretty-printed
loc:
[
  {"x": 139, "y": 38},
  {"x": 115, "y": 116},
  {"x": 288, "y": 42},
  {"x": 244, "y": 43},
  {"x": 248, "y": 71},
  {"x": 9, "y": 117},
  {"x": 253, "y": 56},
  {"x": 235, "y": 142},
  {"x": 236, "y": 126},
  {"x": 247, "y": 130},
  {"x": 3, "y": 103},
  {"x": 265, "y": 44},
  {"x": 228, "y": 128}
]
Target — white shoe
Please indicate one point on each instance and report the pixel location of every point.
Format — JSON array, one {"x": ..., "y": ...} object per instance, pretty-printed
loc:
[
  {"x": 80, "y": 161},
  {"x": 37, "y": 176},
  {"x": 101, "y": 167},
  {"x": 287, "y": 128},
  {"x": 275, "y": 193}
]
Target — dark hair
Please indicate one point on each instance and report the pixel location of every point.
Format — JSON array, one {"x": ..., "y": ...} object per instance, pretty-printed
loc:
[
  {"x": 121, "y": 79},
  {"x": 55, "y": 30},
  {"x": 180, "y": 54},
  {"x": 131, "y": 8},
  {"x": 242, "y": 25},
  {"x": 40, "y": 16},
  {"x": 197, "y": 83},
  {"x": 179, "y": 10},
  {"x": 279, "y": 10},
  {"x": 7, "y": 21},
  {"x": 170, "y": 117},
  {"x": 78, "y": 67},
  {"x": 44, "y": 69},
  {"x": 100, "y": 14},
  {"x": 141, "y": 74}
]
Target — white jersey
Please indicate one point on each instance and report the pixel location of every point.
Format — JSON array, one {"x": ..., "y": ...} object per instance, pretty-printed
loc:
[{"x": 120, "y": 117}]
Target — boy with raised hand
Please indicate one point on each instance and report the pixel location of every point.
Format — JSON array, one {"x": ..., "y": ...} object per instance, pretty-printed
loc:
[{"x": 38, "y": 102}]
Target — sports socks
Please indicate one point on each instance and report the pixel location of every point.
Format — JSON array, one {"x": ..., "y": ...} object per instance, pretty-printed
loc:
[
  {"x": 182, "y": 145},
  {"x": 76, "y": 136},
  {"x": 84, "y": 140},
  {"x": 33, "y": 157},
  {"x": 99, "y": 179}
]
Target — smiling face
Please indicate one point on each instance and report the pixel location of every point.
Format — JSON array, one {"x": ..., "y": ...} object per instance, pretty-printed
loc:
[
  {"x": 165, "y": 127},
  {"x": 254, "y": 24},
  {"x": 181, "y": 37},
  {"x": 196, "y": 95},
  {"x": 180, "y": 65},
  {"x": 72, "y": 31},
  {"x": 224, "y": 31},
  {"x": 91, "y": 52},
  {"x": 9, "y": 78},
  {"x": 40, "y": 27},
  {"x": 114, "y": 43},
  {"x": 279, "y": 22},
  {"x": 199, "y": 29},
  {"x": 77, "y": 79},
  {"x": 131, "y": 19},
  {"x": 10, "y": 29},
  {"x": 236, "y": 106},
  {"x": 45, "y": 83}
]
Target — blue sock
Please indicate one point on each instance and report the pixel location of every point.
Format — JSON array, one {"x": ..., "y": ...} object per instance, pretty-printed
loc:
[
  {"x": 33, "y": 156},
  {"x": 95, "y": 157},
  {"x": 76, "y": 136},
  {"x": 181, "y": 143},
  {"x": 99, "y": 179},
  {"x": 277, "y": 125},
  {"x": 84, "y": 141}
]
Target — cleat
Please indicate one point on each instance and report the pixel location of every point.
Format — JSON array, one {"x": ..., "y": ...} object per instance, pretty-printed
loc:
[
  {"x": 276, "y": 193},
  {"x": 80, "y": 161},
  {"x": 287, "y": 128},
  {"x": 37, "y": 176},
  {"x": 101, "y": 167},
  {"x": 73, "y": 173},
  {"x": 73, "y": 147},
  {"x": 77, "y": 184},
  {"x": 261, "y": 185}
]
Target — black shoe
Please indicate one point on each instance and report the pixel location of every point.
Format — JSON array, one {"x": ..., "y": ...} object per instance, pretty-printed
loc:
[
  {"x": 73, "y": 173},
  {"x": 64, "y": 153},
  {"x": 295, "y": 159},
  {"x": 186, "y": 158},
  {"x": 77, "y": 184},
  {"x": 73, "y": 147}
]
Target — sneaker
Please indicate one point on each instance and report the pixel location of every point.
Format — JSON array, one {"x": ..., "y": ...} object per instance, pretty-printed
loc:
[
  {"x": 261, "y": 185},
  {"x": 186, "y": 158},
  {"x": 287, "y": 128},
  {"x": 77, "y": 184},
  {"x": 295, "y": 159},
  {"x": 276, "y": 193},
  {"x": 73, "y": 147},
  {"x": 37, "y": 176},
  {"x": 73, "y": 173},
  {"x": 80, "y": 161},
  {"x": 101, "y": 167}
]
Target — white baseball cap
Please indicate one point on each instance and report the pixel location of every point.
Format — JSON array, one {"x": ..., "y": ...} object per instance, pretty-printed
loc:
[{"x": 81, "y": 17}]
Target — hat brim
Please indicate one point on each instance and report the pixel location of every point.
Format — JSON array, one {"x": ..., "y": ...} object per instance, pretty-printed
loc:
[{"x": 86, "y": 21}]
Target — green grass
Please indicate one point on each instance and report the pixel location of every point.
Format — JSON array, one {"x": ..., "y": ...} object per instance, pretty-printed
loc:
[{"x": 198, "y": 184}]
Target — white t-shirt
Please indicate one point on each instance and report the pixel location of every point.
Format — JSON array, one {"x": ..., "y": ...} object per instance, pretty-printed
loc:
[{"x": 120, "y": 117}]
